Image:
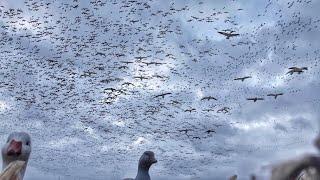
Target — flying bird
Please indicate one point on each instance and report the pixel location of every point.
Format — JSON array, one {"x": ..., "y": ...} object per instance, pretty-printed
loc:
[
  {"x": 275, "y": 95},
  {"x": 208, "y": 98},
  {"x": 242, "y": 78},
  {"x": 255, "y": 99},
  {"x": 297, "y": 70},
  {"x": 228, "y": 34},
  {"x": 223, "y": 110},
  {"x": 190, "y": 110},
  {"x": 162, "y": 95},
  {"x": 210, "y": 131}
]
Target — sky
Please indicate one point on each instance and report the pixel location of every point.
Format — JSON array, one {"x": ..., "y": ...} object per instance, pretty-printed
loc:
[{"x": 83, "y": 78}]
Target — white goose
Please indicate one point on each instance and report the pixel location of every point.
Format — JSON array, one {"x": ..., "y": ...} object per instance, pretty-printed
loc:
[
  {"x": 145, "y": 162},
  {"x": 17, "y": 148}
]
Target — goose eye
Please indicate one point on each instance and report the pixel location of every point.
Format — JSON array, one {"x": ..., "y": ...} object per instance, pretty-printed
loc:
[{"x": 28, "y": 143}]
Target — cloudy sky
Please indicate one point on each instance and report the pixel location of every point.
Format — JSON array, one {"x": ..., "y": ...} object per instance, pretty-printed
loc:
[{"x": 83, "y": 78}]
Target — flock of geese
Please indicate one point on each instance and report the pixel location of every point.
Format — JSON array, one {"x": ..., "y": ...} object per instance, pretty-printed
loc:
[{"x": 131, "y": 73}]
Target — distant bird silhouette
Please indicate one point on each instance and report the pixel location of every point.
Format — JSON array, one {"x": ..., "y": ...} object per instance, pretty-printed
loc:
[
  {"x": 208, "y": 98},
  {"x": 297, "y": 70},
  {"x": 242, "y": 78},
  {"x": 255, "y": 99},
  {"x": 223, "y": 110},
  {"x": 210, "y": 131},
  {"x": 162, "y": 95},
  {"x": 190, "y": 110},
  {"x": 228, "y": 34},
  {"x": 275, "y": 95}
]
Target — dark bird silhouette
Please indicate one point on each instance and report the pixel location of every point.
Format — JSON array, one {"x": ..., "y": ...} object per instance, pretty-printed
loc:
[
  {"x": 275, "y": 95},
  {"x": 255, "y": 99},
  {"x": 242, "y": 78},
  {"x": 210, "y": 131},
  {"x": 190, "y": 110},
  {"x": 297, "y": 70},
  {"x": 223, "y": 110},
  {"x": 208, "y": 98},
  {"x": 228, "y": 34},
  {"x": 162, "y": 95},
  {"x": 140, "y": 77}
]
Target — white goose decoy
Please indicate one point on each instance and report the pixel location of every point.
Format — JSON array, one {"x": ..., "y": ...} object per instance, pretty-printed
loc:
[
  {"x": 145, "y": 162},
  {"x": 17, "y": 148}
]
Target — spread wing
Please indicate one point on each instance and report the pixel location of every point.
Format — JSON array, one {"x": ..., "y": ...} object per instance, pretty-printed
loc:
[{"x": 223, "y": 33}]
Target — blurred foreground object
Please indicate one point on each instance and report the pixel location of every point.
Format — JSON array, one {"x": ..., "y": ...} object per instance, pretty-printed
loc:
[
  {"x": 12, "y": 171},
  {"x": 305, "y": 168},
  {"x": 234, "y": 177}
]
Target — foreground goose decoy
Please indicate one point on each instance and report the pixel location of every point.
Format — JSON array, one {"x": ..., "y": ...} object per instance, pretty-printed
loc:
[
  {"x": 145, "y": 162},
  {"x": 16, "y": 149}
]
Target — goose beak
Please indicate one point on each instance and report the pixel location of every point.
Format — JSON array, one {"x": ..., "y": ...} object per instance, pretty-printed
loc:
[
  {"x": 14, "y": 148},
  {"x": 154, "y": 161}
]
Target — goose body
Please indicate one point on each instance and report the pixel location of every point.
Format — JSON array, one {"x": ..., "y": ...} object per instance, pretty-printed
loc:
[
  {"x": 16, "y": 148},
  {"x": 255, "y": 99},
  {"x": 297, "y": 70},
  {"x": 275, "y": 95},
  {"x": 228, "y": 34},
  {"x": 242, "y": 78}
]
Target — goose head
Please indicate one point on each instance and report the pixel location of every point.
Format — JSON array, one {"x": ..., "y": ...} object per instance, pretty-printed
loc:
[
  {"x": 17, "y": 147},
  {"x": 147, "y": 159}
]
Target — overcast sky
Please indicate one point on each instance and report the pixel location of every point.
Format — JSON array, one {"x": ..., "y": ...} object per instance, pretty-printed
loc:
[{"x": 70, "y": 76}]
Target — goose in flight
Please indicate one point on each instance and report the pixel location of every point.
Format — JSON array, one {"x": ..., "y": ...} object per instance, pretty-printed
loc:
[
  {"x": 145, "y": 162},
  {"x": 17, "y": 148},
  {"x": 223, "y": 110},
  {"x": 140, "y": 77},
  {"x": 208, "y": 98},
  {"x": 190, "y": 110},
  {"x": 210, "y": 131},
  {"x": 297, "y": 70},
  {"x": 185, "y": 130},
  {"x": 255, "y": 99},
  {"x": 242, "y": 78},
  {"x": 140, "y": 58},
  {"x": 275, "y": 95},
  {"x": 208, "y": 110},
  {"x": 127, "y": 62},
  {"x": 228, "y": 34},
  {"x": 162, "y": 95}
]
